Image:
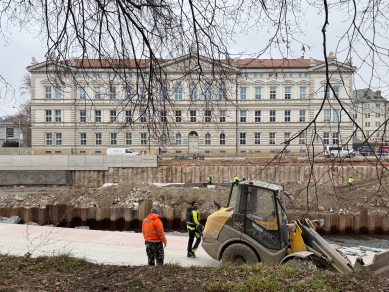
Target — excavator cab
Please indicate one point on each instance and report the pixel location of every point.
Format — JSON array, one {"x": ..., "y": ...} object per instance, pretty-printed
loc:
[{"x": 260, "y": 207}]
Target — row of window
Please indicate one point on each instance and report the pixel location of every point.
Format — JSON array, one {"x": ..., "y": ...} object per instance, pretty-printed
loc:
[
  {"x": 193, "y": 116},
  {"x": 56, "y": 139},
  {"x": 272, "y": 75},
  {"x": 112, "y": 93},
  {"x": 377, "y": 124}
]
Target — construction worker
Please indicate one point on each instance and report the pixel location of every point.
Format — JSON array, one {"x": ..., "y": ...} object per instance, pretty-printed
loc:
[
  {"x": 350, "y": 182},
  {"x": 236, "y": 179},
  {"x": 209, "y": 179},
  {"x": 194, "y": 228},
  {"x": 154, "y": 236}
]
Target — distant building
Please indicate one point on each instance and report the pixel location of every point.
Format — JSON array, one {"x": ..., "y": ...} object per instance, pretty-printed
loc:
[
  {"x": 267, "y": 103},
  {"x": 8, "y": 132},
  {"x": 371, "y": 113}
]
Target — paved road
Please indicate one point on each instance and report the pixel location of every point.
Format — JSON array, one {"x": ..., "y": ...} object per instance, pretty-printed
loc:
[{"x": 106, "y": 247}]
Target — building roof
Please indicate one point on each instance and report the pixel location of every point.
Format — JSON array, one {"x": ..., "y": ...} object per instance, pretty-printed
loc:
[
  {"x": 277, "y": 63},
  {"x": 368, "y": 95}
]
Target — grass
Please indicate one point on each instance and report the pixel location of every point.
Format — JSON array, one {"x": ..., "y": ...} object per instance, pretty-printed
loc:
[{"x": 65, "y": 273}]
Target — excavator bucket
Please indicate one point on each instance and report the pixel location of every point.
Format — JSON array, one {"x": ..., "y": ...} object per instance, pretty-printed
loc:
[{"x": 379, "y": 266}]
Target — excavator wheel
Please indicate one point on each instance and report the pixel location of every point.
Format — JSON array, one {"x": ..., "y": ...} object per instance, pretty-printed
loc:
[
  {"x": 304, "y": 264},
  {"x": 239, "y": 254}
]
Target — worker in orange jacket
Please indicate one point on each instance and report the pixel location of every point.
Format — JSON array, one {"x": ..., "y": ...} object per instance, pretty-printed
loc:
[{"x": 154, "y": 236}]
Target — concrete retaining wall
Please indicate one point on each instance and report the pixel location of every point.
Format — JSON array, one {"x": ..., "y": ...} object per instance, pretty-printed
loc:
[
  {"x": 31, "y": 177},
  {"x": 15, "y": 151},
  {"x": 127, "y": 219}
]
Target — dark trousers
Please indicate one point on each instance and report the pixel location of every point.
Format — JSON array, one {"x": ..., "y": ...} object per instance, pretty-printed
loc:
[
  {"x": 192, "y": 235},
  {"x": 155, "y": 252}
]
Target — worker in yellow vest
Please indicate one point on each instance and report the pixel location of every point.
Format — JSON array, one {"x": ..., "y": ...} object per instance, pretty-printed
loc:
[
  {"x": 236, "y": 179},
  {"x": 350, "y": 182}
]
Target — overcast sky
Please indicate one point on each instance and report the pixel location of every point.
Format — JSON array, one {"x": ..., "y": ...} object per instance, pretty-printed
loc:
[{"x": 17, "y": 55}]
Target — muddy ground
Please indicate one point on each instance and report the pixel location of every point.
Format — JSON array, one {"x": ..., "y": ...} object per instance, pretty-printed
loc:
[{"x": 314, "y": 197}]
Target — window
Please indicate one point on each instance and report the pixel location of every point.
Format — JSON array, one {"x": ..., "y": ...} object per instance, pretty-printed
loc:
[
  {"x": 112, "y": 116},
  {"x": 193, "y": 116},
  {"x": 303, "y": 92},
  {"x": 58, "y": 92},
  {"x": 288, "y": 92},
  {"x": 242, "y": 138},
  {"x": 287, "y": 116},
  {"x": 112, "y": 93},
  {"x": 128, "y": 117},
  {"x": 222, "y": 139},
  {"x": 178, "y": 139},
  {"x": 272, "y": 138},
  {"x": 82, "y": 116},
  {"x": 273, "y": 92},
  {"x": 222, "y": 92},
  {"x": 163, "y": 94},
  {"x": 192, "y": 92},
  {"x": 256, "y": 75},
  {"x": 222, "y": 115},
  {"x": 377, "y": 124},
  {"x": 58, "y": 116},
  {"x": 97, "y": 75},
  {"x": 257, "y": 138},
  {"x": 82, "y": 92},
  {"x": 335, "y": 138},
  {"x": 272, "y": 116},
  {"x": 245, "y": 75},
  {"x": 367, "y": 124},
  {"x": 208, "y": 92},
  {"x": 335, "y": 117},
  {"x": 82, "y": 138},
  {"x": 207, "y": 116},
  {"x": 327, "y": 115},
  {"x": 258, "y": 93},
  {"x": 128, "y": 138},
  {"x": 287, "y": 137},
  {"x": 257, "y": 116},
  {"x": 243, "y": 116},
  {"x": 367, "y": 115},
  {"x": 48, "y": 93},
  {"x": 303, "y": 74},
  {"x": 58, "y": 139},
  {"x": 143, "y": 92},
  {"x": 367, "y": 133},
  {"x": 302, "y": 115},
  {"x": 326, "y": 138},
  {"x": 98, "y": 116},
  {"x": 49, "y": 139},
  {"x": 178, "y": 92},
  {"x": 113, "y": 138},
  {"x": 48, "y": 116},
  {"x": 326, "y": 91},
  {"x": 143, "y": 138},
  {"x": 207, "y": 139},
  {"x": 163, "y": 117},
  {"x": 378, "y": 115},
  {"x": 97, "y": 91},
  {"x": 98, "y": 138},
  {"x": 163, "y": 139},
  {"x": 367, "y": 105},
  {"x": 143, "y": 117},
  {"x": 128, "y": 93},
  {"x": 336, "y": 91},
  {"x": 10, "y": 132},
  {"x": 302, "y": 138},
  {"x": 243, "y": 93},
  {"x": 178, "y": 117}
]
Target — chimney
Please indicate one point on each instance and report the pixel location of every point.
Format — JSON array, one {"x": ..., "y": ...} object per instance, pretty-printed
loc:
[{"x": 378, "y": 93}]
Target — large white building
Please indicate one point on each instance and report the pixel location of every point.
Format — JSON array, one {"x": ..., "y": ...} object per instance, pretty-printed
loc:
[{"x": 243, "y": 106}]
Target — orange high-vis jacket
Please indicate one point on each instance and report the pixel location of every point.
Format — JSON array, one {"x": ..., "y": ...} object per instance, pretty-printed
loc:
[{"x": 152, "y": 228}]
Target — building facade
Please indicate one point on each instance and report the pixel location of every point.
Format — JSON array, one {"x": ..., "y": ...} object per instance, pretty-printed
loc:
[
  {"x": 259, "y": 106},
  {"x": 9, "y": 132},
  {"x": 371, "y": 113}
]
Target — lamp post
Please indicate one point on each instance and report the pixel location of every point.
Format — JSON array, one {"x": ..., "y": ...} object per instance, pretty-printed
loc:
[{"x": 19, "y": 129}]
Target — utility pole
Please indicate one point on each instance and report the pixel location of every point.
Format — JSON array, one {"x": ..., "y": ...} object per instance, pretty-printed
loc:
[{"x": 19, "y": 129}]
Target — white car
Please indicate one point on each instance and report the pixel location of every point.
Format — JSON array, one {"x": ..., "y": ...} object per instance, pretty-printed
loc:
[
  {"x": 337, "y": 151},
  {"x": 121, "y": 151}
]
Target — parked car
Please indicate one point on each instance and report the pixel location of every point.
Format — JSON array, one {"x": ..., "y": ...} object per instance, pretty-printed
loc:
[
  {"x": 337, "y": 151},
  {"x": 121, "y": 151},
  {"x": 366, "y": 150}
]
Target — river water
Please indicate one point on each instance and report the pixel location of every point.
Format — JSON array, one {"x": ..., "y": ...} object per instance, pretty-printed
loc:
[{"x": 355, "y": 240}]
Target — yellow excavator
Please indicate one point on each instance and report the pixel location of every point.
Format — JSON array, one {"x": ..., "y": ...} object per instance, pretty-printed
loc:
[{"x": 254, "y": 228}]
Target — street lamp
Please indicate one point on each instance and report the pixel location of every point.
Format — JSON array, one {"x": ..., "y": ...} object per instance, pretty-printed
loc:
[{"x": 19, "y": 128}]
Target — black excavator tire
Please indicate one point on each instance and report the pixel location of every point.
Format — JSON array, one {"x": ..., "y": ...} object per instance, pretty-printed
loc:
[{"x": 239, "y": 254}]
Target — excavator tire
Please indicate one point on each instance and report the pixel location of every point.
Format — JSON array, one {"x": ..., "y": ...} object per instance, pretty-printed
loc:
[
  {"x": 305, "y": 264},
  {"x": 239, "y": 254}
]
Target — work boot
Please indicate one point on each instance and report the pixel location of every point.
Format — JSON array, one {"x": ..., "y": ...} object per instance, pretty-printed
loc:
[
  {"x": 193, "y": 254},
  {"x": 189, "y": 255}
]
